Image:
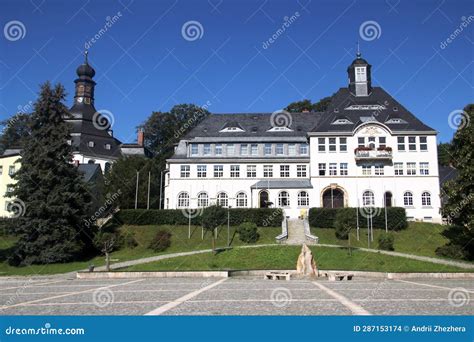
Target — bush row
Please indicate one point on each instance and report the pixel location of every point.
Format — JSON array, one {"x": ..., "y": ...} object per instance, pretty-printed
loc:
[
  {"x": 325, "y": 217},
  {"x": 262, "y": 217}
]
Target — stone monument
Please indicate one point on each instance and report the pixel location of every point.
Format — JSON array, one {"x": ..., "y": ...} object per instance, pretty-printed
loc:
[{"x": 306, "y": 266}]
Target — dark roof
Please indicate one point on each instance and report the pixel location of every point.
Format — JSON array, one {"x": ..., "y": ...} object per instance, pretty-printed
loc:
[
  {"x": 393, "y": 109},
  {"x": 253, "y": 124},
  {"x": 89, "y": 170},
  {"x": 446, "y": 173}
]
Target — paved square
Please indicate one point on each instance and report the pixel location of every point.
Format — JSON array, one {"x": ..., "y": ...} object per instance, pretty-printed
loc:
[{"x": 235, "y": 296}]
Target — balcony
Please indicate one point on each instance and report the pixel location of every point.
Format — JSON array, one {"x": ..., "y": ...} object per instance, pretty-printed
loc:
[{"x": 366, "y": 153}]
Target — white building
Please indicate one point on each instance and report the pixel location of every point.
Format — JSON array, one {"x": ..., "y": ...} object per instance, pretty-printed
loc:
[{"x": 366, "y": 149}]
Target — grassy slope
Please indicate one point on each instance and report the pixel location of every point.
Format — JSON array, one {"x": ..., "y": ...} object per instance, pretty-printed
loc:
[
  {"x": 284, "y": 257},
  {"x": 419, "y": 238},
  {"x": 143, "y": 235}
]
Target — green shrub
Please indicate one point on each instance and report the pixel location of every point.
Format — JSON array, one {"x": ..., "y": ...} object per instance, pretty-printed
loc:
[
  {"x": 127, "y": 239},
  {"x": 325, "y": 217},
  {"x": 262, "y": 217},
  {"x": 451, "y": 251},
  {"x": 386, "y": 241},
  {"x": 161, "y": 241},
  {"x": 248, "y": 232},
  {"x": 343, "y": 223}
]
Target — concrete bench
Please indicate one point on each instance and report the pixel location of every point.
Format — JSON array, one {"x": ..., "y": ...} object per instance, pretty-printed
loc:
[
  {"x": 277, "y": 275},
  {"x": 339, "y": 276}
]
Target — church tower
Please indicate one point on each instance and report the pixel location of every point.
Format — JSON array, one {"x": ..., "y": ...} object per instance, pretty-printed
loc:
[
  {"x": 359, "y": 77},
  {"x": 84, "y": 83}
]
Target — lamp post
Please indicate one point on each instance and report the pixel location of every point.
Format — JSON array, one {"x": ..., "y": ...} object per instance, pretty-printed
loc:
[{"x": 228, "y": 225}]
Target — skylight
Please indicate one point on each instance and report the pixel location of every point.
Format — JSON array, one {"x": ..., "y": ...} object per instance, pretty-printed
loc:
[
  {"x": 395, "y": 121},
  {"x": 342, "y": 122}
]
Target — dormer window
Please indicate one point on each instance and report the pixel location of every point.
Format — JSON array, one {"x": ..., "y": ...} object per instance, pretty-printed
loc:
[
  {"x": 232, "y": 127},
  {"x": 280, "y": 129},
  {"x": 107, "y": 146},
  {"x": 342, "y": 122},
  {"x": 91, "y": 144},
  {"x": 395, "y": 121}
]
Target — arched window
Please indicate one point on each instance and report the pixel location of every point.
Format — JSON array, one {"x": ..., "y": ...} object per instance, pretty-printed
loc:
[
  {"x": 222, "y": 199},
  {"x": 283, "y": 199},
  {"x": 303, "y": 199},
  {"x": 426, "y": 199},
  {"x": 407, "y": 199},
  {"x": 368, "y": 198},
  {"x": 183, "y": 200},
  {"x": 241, "y": 199},
  {"x": 203, "y": 199}
]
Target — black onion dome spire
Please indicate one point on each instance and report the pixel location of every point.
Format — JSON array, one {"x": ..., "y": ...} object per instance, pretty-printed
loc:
[{"x": 85, "y": 70}]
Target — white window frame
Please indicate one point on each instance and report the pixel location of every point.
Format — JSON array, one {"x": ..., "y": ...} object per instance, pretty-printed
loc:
[
  {"x": 284, "y": 171},
  {"x": 284, "y": 199},
  {"x": 251, "y": 171},
  {"x": 235, "y": 171},
  {"x": 267, "y": 171},
  {"x": 183, "y": 200},
  {"x": 203, "y": 199},
  {"x": 343, "y": 169},
  {"x": 426, "y": 199},
  {"x": 301, "y": 171},
  {"x": 408, "y": 199},
  {"x": 218, "y": 171},
  {"x": 185, "y": 171},
  {"x": 222, "y": 199},
  {"x": 303, "y": 199},
  {"x": 201, "y": 171},
  {"x": 241, "y": 199},
  {"x": 368, "y": 198}
]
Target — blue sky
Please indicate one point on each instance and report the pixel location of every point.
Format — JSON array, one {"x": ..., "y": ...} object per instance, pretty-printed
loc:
[{"x": 144, "y": 63}]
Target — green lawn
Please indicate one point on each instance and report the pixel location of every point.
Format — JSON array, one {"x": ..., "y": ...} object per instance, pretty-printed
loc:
[
  {"x": 284, "y": 257},
  {"x": 143, "y": 234},
  {"x": 419, "y": 238}
]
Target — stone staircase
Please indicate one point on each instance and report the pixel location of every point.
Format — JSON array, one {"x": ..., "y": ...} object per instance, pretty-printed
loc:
[{"x": 297, "y": 234}]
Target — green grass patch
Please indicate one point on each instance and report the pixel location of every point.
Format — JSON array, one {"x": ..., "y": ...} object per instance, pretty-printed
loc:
[
  {"x": 419, "y": 238},
  {"x": 143, "y": 235},
  {"x": 284, "y": 257}
]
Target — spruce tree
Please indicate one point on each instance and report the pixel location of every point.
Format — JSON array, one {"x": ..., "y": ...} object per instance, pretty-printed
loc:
[
  {"x": 54, "y": 198},
  {"x": 459, "y": 206}
]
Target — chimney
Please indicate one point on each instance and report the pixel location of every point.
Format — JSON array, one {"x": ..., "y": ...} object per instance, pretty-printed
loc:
[{"x": 141, "y": 137}]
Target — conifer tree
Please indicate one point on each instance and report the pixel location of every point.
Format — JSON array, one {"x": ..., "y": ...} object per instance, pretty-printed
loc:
[{"x": 54, "y": 200}]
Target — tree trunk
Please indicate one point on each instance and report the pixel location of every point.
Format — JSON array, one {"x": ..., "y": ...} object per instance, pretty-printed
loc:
[
  {"x": 213, "y": 244},
  {"x": 107, "y": 262}
]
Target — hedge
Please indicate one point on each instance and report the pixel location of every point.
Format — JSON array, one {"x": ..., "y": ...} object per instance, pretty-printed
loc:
[
  {"x": 262, "y": 217},
  {"x": 325, "y": 217}
]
